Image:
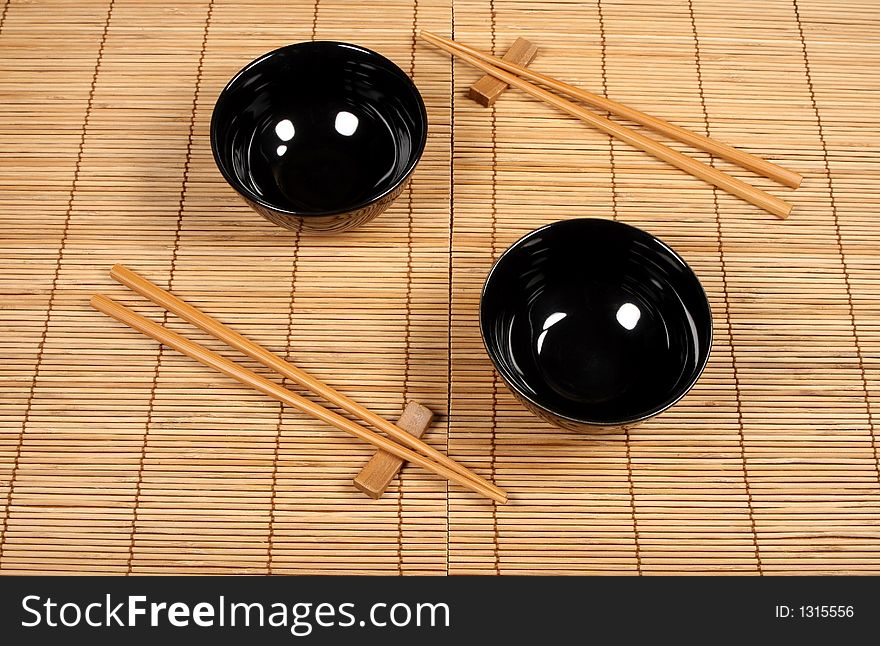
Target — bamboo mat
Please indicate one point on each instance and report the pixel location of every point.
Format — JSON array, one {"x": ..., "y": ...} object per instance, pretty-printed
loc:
[{"x": 119, "y": 457}]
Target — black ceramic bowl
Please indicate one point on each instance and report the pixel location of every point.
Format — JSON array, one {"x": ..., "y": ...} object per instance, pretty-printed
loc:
[
  {"x": 594, "y": 323},
  {"x": 321, "y": 135}
]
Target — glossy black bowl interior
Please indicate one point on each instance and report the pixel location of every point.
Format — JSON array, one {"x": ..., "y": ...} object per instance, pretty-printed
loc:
[
  {"x": 596, "y": 322},
  {"x": 318, "y": 128}
]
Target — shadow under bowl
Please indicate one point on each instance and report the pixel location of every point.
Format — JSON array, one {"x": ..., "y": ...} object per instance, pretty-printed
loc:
[
  {"x": 322, "y": 135},
  {"x": 595, "y": 324}
]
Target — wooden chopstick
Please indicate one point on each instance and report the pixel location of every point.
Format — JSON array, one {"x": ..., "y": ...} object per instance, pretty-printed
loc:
[
  {"x": 713, "y": 176},
  {"x": 739, "y": 157},
  {"x": 232, "y": 338},
  {"x": 270, "y": 388}
]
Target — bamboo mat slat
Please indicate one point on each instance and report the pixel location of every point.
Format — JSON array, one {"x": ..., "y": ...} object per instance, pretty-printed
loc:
[{"x": 118, "y": 457}]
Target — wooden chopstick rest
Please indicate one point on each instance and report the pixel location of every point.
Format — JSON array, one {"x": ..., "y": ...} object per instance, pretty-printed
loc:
[
  {"x": 378, "y": 473},
  {"x": 487, "y": 90}
]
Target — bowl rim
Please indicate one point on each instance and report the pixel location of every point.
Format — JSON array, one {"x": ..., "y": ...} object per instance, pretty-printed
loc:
[
  {"x": 247, "y": 193},
  {"x": 510, "y": 381}
]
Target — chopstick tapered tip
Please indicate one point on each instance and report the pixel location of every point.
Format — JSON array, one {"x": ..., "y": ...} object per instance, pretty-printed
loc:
[
  {"x": 104, "y": 304},
  {"x": 785, "y": 176},
  {"x": 499, "y": 496},
  {"x": 122, "y": 274},
  {"x": 782, "y": 210}
]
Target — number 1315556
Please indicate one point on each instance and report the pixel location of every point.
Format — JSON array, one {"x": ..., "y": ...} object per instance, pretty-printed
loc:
[{"x": 815, "y": 612}]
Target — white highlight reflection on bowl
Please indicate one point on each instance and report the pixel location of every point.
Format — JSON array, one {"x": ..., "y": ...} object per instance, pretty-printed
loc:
[
  {"x": 628, "y": 315},
  {"x": 346, "y": 123},
  {"x": 285, "y": 130},
  {"x": 551, "y": 320}
]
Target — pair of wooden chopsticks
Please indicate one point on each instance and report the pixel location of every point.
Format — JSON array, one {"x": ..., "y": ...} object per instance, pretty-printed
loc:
[
  {"x": 510, "y": 73},
  {"x": 406, "y": 447}
]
